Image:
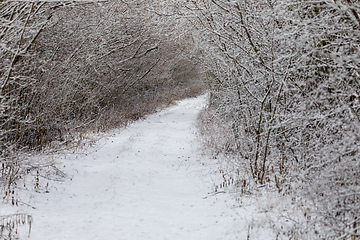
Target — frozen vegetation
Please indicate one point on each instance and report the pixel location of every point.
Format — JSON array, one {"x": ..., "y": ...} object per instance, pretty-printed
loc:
[{"x": 277, "y": 148}]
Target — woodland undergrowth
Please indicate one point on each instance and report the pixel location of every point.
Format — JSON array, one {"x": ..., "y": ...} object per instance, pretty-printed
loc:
[{"x": 284, "y": 107}]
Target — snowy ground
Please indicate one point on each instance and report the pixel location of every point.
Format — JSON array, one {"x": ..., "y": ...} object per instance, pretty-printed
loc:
[{"x": 148, "y": 181}]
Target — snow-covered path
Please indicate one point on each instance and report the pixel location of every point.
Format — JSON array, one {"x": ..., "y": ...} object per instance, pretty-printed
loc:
[{"x": 145, "y": 182}]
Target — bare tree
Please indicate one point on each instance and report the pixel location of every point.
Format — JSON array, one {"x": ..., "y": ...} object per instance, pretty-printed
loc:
[{"x": 284, "y": 80}]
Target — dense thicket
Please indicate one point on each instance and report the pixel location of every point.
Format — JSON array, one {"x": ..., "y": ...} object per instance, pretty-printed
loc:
[
  {"x": 284, "y": 80},
  {"x": 70, "y": 67},
  {"x": 285, "y": 102}
]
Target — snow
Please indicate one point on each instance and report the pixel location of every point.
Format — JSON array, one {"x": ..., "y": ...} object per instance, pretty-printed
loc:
[{"x": 147, "y": 181}]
